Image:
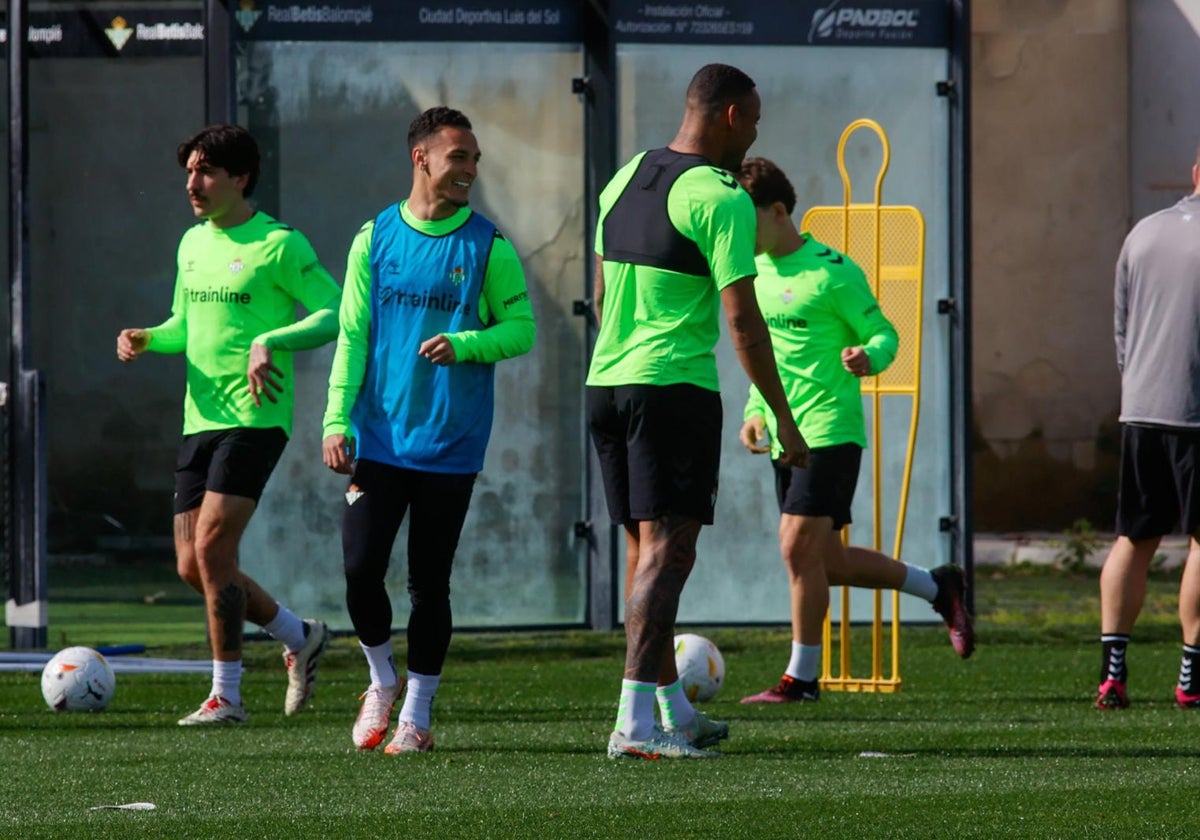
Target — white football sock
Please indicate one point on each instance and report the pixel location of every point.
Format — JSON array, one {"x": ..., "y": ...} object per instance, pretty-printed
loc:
[
  {"x": 287, "y": 627},
  {"x": 805, "y": 662},
  {"x": 919, "y": 582},
  {"x": 418, "y": 699},
  {"x": 227, "y": 680},
  {"x": 381, "y": 664}
]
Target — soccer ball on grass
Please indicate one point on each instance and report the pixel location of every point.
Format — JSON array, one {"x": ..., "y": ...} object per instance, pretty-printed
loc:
[
  {"x": 701, "y": 667},
  {"x": 78, "y": 679}
]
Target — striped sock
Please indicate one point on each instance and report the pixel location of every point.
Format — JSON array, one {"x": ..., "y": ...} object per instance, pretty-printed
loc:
[
  {"x": 1113, "y": 666},
  {"x": 635, "y": 711},
  {"x": 1187, "y": 669},
  {"x": 673, "y": 705}
]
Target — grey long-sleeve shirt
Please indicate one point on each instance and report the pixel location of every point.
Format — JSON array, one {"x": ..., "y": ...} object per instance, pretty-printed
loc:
[{"x": 1157, "y": 318}]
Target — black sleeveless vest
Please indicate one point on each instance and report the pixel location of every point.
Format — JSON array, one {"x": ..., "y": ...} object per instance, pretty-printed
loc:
[{"x": 638, "y": 229}]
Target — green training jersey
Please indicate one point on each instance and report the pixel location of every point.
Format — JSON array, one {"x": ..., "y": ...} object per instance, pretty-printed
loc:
[
  {"x": 235, "y": 287},
  {"x": 816, "y": 303},
  {"x": 658, "y": 326}
]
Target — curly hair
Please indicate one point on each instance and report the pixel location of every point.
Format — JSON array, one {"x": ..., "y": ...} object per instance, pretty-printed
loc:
[{"x": 767, "y": 184}]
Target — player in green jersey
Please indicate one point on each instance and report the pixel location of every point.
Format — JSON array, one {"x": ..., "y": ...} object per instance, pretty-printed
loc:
[
  {"x": 239, "y": 277},
  {"x": 827, "y": 331},
  {"x": 675, "y": 244}
]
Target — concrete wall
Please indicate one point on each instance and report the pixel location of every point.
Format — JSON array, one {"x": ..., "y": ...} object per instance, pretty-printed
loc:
[{"x": 1051, "y": 207}]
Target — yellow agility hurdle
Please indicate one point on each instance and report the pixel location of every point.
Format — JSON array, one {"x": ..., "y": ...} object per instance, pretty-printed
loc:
[{"x": 888, "y": 243}]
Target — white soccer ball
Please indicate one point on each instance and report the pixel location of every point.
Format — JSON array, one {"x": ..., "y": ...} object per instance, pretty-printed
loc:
[
  {"x": 78, "y": 679},
  {"x": 701, "y": 667}
]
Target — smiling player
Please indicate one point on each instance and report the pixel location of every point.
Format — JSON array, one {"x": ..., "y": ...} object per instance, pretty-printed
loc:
[{"x": 435, "y": 295}]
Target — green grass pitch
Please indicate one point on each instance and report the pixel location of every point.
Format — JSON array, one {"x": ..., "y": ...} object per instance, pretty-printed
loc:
[{"x": 1004, "y": 745}]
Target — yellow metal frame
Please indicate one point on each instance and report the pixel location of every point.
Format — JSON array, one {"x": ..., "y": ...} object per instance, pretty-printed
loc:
[{"x": 890, "y": 265}]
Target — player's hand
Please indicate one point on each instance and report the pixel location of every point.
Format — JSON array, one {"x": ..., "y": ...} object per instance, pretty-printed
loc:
[
  {"x": 754, "y": 435},
  {"x": 263, "y": 375},
  {"x": 438, "y": 350},
  {"x": 856, "y": 360},
  {"x": 337, "y": 451},
  {"x": 795, "y": 450},
  {"x": 131, "y": 343}
]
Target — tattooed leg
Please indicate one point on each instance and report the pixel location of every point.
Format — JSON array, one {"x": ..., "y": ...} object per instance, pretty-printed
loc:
[
  {"x": 228, "y": 618},
  {"x": 666, "y": 555},
  {"x": 218, "y": 530}
]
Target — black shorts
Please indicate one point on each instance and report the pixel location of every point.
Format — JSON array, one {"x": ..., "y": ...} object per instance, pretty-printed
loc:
[
  {"x": 825, "y": 487},
  {"x": 236, "y": 462},
  {"x": 659, "y": 448},
  {"x": 1158, "y": 487}
]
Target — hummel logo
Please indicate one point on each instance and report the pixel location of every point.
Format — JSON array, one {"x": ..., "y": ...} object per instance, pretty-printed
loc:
[{"x": 353, "y": 496}]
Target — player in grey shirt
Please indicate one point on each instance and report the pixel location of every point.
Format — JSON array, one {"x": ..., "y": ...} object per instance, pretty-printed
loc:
[{"x": 1157, "y": 330}]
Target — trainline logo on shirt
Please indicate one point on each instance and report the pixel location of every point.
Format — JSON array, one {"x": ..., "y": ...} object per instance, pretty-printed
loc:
[
  {"x": 221, "y": 295},
  {"x": 423, "y": 300},
  {"x": 787, "y": 322}
]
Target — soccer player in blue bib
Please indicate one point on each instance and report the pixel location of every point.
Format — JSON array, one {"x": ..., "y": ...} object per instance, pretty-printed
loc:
[{"x": 434, "y": 296}]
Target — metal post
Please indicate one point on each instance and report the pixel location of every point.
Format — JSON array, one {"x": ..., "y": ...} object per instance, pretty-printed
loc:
[
  {"x": 25, "y": 609},
  {"x": 962, "y": 473},
  {"x": 597, "y": 91},
  {"x": 219, "y": 69}
]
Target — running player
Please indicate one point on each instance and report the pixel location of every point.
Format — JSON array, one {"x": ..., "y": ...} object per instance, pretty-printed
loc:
[
  {"x": 435, "y": 295},
  {"x": 674, "y": 244},
  {"x": 240, "y": 275},
  {"x": 827, "y": 331}
]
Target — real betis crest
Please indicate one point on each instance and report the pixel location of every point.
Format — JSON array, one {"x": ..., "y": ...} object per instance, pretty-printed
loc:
[
  {"x": 247, "y": 15},
  {"x": 119, "y": 32}
]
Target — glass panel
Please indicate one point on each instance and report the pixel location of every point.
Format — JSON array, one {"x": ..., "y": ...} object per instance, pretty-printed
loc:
[
  {"x": 333, "y": 119},
  {"x": 107, "y": 207},
  {"x": 810, "y": 94}
]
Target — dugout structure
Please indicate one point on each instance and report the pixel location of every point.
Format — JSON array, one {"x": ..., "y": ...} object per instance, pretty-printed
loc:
[{"x": 560, "y": 93}]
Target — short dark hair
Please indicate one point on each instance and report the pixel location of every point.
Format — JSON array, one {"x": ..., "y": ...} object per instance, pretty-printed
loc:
[
  {"x": 716, "y": 86},
  {"x": 229, "y": 147},
  {"x": 767, "y": 184},
  {"x": 433, "y": 119}
]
